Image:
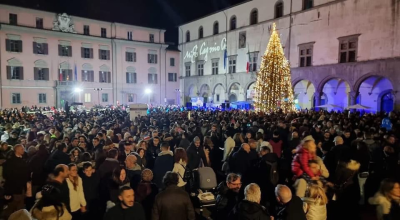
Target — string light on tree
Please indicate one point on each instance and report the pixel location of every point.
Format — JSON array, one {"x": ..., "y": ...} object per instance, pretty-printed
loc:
[{"x": 273, "y": 90}]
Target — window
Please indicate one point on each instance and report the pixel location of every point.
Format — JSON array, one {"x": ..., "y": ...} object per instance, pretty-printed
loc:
[
  {"x": 348, "y": 49},
  {"x": 87, "y": 76},
  {"x": 253, "y": 57},
  {"x": 152, "y": 58},
  {"x": 242, "y": 39},
  {"x": 130, "y": 78},
  {"x": 104, "y": 77},
  {"x": 151, "y": 36},
  {"x": 40, "y": 73},
  {"x": 217, "y": 97},
  {"x": 104, "y": 97},
  {"x": 172, "y": 61},
  {"x": 232, "y": 64},
  {"x": 279, "y": 10},
  {"x": 88, "y": 97},
  {"x": 187, "y": 69},
  {"x": 130, "y": 35},
  {"x": 15, "y": 98},
  {"x": 13, "y": 45},
  {"x": 15, "y": 72},
  {"x": 131, "y": 97},
  {"x": 200, "y": 32},
  {"x": 307, "y": 4},
  {"x": 254, "y": 17},
  {"x": 152, "y": 78},
  {"x": 13, "y": 19},
  {"x": 216, "y": 28},
  {"x": 86, "y": 30},
  {"x": 64, "y": 51},
  {"x": 42, "y": 98},
  {"x": 172, "y": 77},
  {"x": 104, "y": 54},
  {"x": 104, "y": 32},
  {"x": 130, "y": 56},
  {"x": 306, "y": 53},
  {"x": 40, "y": 48},
  {"x": 200, "y": 68},
  {"x": 187, "y": 36},
  {"x": 233, "y": 23},
  {"x": 65, "y": 75},
  {"x": 39, "y": 23},
  {"x": 87, "y": 52},
  {"x": 215, "y": 66}
]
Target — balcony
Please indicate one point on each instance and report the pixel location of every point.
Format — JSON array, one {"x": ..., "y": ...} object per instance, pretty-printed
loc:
[{"x": 65, "y": 83}]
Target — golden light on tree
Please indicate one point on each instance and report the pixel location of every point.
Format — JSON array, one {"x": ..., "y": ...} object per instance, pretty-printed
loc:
[{"x": 273, "y": 90}]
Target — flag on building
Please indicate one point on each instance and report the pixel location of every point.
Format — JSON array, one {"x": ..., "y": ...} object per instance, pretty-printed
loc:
[
  {"x": 61, "y": 78},
  {"x": 76, "y": 73},
  {"x": 225, "y": 57},
  {"x": 248, "y": 62}
]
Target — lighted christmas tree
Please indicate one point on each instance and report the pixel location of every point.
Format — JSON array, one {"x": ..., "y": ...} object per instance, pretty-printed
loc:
[{"x": 273, "y": 90}]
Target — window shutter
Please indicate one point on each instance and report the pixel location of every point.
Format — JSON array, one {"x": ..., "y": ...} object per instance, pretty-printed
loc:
[
  {"x": 109, "y": 77},
  {"x": 92, "y": 76},
  {"x": 20, "y": 45},
  {"x": 108, "y": 55},
  {"x": 148, "y": 58},
  {"x": 127, "y": 77},
  {"x": 100, "y": 77},
  {"x": 155, "y": 78},
  {"x": 91, "y": 53},
  {"x": 59, "y": 50},
  {"x": 45, "y": 48},
  {"x": 99, "y": 54},
  {"x": 34, "y": 47},
  {"x": 134, "y": 77},
  {"x": 82, "y": 52},
  {"x": 21, "y": 73},
  {"x": 35, "y": 73},
  {"x": 46, "y": 73},
  {"x": 83, "y": 75},
  {"x": 8, "y": 45},
  {"x": 8, "y": 72},
  {"x": 70, "y": 51},
  {"x": 134, "y": 57},
  {"x": 155, "y": 57},
  {"x": 126, "y": 56}
]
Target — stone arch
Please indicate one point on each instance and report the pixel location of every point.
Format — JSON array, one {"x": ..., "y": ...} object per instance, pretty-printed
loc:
[
  {"x": 249, "y": 84},
  {"x": 41, "y": 64},
  {"x": 337, "y": 91},
  {"x": 87, "y": 66},
  {"x": 104, "y": 68},
  {"x": 219, "y": 92},
  {"x": 304, "y": 91},
  {"x": 359, "y": 81},
  {"x": 373, "y": 88},
  {"x": 327, "y": 79},
  {"x": 218, "y": 84},
  {"x": 380, "y": 97},
  {"x": 65, "y": 65},
  {"x": 192, "y": 90},
  {"x": 14, "y": 62},
  {"x": 131, "y": 69},
  {"x": 204, "y": 90},
  {"x": 232, "y": 97}
]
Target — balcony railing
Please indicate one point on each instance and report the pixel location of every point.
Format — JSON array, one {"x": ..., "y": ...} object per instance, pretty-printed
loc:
[{"x": 66, "y": 83}]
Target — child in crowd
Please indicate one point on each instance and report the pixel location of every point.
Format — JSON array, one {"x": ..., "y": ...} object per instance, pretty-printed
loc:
[
  {"x": 300, "y": 164},
  {"x": 315, "y": 203}
]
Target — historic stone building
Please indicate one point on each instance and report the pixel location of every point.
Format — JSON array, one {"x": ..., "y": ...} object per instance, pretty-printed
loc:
[
  {"x": 342, "y": 52},
  {"x": 47, "y": 59}
]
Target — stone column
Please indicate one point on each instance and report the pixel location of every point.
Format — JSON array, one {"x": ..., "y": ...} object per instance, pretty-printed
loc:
[
  {"x": 353, "y": 97},
  {"x": 317, "y": 96}
]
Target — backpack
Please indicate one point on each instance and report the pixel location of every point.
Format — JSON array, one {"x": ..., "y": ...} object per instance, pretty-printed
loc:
[
  {"x": 273, "y": 172},
  {"x": 187, "y": 175}
]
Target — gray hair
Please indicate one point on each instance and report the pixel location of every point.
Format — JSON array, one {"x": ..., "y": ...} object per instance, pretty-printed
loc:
[{"x": 252, "y": 193}]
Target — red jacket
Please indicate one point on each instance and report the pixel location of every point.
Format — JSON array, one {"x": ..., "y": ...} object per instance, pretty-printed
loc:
[
  {"x": 276, "y": 147},
  {"x": 300, "y": 162}
]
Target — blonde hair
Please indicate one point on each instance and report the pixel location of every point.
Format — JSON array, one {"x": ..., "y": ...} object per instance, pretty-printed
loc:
[
  {"x": 252, "y": 193},
  {"x": 318, "y": 193}
]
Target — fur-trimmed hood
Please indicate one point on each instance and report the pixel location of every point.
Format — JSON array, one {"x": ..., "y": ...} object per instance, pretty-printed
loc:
[{"x": 50, "y": 213}]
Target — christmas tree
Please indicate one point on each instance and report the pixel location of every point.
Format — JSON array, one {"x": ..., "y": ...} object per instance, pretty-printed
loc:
[{"x": 273, "y": 90}]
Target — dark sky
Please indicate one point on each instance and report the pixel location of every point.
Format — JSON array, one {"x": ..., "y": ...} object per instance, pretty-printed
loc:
[{"x": 165, "y": 14}]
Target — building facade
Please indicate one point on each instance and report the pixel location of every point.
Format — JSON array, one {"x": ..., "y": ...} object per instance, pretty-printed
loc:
[
  {"x": 342, "y": 52},
  {"x": 47, "y": 59}
]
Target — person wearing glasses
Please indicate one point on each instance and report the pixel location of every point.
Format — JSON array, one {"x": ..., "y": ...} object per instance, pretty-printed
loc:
[{"x": 228, "y": 195}]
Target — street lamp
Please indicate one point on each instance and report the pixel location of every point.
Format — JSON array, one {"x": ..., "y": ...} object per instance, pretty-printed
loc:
[
  {"x": 98, "y": 93},
  {"x": 148, "y": 92}
]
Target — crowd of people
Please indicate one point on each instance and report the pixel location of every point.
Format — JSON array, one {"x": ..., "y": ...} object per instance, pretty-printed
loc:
[{"x": 307, "y": 165}]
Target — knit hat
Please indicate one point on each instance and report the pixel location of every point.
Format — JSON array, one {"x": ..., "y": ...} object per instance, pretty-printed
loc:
[{"x": 21, "y": 214}]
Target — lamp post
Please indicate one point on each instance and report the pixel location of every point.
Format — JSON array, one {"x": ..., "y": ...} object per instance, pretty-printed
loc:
[
  {"x": 98, "y": 93},
  {"x": 148, "y": 92}
]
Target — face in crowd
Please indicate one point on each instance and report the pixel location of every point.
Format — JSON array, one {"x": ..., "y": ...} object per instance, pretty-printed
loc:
[{"x": 235, "y": 185}]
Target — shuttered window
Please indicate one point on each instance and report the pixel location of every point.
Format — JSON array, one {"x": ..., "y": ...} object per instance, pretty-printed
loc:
[
  {"x": 15, "y": 72},
  {"x": 40, "y": 48},
  {"x": 41, "y": 73}
]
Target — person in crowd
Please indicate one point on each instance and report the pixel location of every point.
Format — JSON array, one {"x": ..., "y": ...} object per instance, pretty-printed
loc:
[
  {"x": 196, "y": 154},
  {"x": 240, "y": 162},
  {"x": 142, "y": 153},
  {"x": 49, "y": 206},
  {"x": 338, "y": 153},
  {"x": 59, "y": 156},
  {"x": 276, "y": 143},
  {"x": 117, "y": 180},
  {"x": 250, "y": 207},
  {"x": 387, "y": 200},
  {"x": 76, "y": 196},
  {"x": 184, "y": 142},
  {"x": 7, "y": 132},
  {"x": 180, "y": 164},
  {"x": 267, "y": 165},
  {"x": 228, "y": 195},
  {"x": 173, "y": 202},
  {"x": 164, "y": 163},
  {"x": 110, "y": 164},
  {"x": 316, "y": 203},
  {"x": 91, "y": 185},
  {"x": 228, "y": 145},
  {"x": 128, "y": 150},
  {"x": 133, "y": 171},
  {"x": 16, "y": 174},
  {"x": 97, "y": 148},
  {"x": 146, "y": 192},
  {"x": 75, "y": 155},
  {"x": 126, "y": 208},
  {"x": 300, "y": 164},
  {"x": 153, "y": 148},
  {"x": 290, "y": 207},
  {"x": 57, "y": 179}
]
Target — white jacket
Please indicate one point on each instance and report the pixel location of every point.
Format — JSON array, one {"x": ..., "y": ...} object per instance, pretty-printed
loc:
[
  {"x": 228, "y": 146},
  {"x": 383, "y": 205},
  {"x": 314, "y": 211},
  {"x": 76, "y": 197},
  {"x": 179, "y": 168}
]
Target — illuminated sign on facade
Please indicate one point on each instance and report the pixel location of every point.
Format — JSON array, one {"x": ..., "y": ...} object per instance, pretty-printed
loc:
[{"x": 205, "y": 50}]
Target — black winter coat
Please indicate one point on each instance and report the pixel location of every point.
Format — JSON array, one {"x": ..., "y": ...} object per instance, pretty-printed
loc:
[
  {"x": 58, "y": 157},
  {"x": 195, "y": 156},
  {"x": 240, "y": 162},
  {"x": 226, "y": 200},
  {"x": 247, "y": 210},
  {"x": 292, "y": 210},
  {"x": 164, "y": 163},
  {"x": 16, "y": 173},
  {"x": 37, "y": 167},
  {"x": 118, "y": 213}
]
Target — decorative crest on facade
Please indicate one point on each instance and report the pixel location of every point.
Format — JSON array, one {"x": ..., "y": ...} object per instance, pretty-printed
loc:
[{"x": 63, "y": 23}]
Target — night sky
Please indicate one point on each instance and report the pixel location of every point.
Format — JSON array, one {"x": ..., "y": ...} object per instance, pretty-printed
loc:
[{"x": 166, "y": 14}]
